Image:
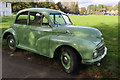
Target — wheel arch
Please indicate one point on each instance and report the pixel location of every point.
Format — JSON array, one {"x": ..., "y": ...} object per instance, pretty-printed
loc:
[
  {"x": 6, "y": 34},
  {"x": 9, "y": 31},
  {"x": 57, "y": 51}
]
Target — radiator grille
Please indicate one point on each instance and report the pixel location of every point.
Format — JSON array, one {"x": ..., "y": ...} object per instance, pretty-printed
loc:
[{"x": 101, "y": 50}]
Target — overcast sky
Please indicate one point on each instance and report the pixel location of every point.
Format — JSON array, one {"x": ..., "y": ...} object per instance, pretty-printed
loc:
[{"x": 85, "y": 3}]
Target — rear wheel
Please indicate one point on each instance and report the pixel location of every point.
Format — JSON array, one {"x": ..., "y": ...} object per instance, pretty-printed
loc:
[
  {"x": 11, "y": 44},
  {"x": 69, "y": 60}
]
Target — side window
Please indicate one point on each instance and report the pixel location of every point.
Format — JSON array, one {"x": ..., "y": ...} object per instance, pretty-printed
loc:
[
  {"x": 22, "y": 18},
  {"x": 52, "y": 18},
  {"x": 45, "y": 21},
  {"x": 32, "y": 17},
  {"x": 35, "y": 19},
  {"x": 59, "y": 19}
]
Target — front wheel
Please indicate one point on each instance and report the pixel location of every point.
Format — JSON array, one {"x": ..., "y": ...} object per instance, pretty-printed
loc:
[
  {"x": 69, "y": 60},
  {"x": 11, "y": 44}
]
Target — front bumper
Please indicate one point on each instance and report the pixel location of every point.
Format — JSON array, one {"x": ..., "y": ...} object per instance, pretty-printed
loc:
[{"x": 93, "y": 61}]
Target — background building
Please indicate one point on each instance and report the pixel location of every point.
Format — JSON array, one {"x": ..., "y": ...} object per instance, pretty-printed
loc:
[{"x": 5, "y": 9}]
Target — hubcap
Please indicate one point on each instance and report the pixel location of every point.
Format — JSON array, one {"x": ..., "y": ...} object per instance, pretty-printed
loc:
[
  {"x": 11, "y": 43},
  {"x": 65, "y": 58}
]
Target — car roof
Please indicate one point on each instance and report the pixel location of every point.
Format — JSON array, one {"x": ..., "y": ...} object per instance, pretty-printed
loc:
[{"x": 44, "y": 11}]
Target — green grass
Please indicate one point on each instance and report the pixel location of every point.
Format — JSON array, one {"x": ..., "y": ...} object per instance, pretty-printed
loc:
[
  {"x": 6, "y": 21},
  {"x": 93, "y": 20},
  {"x": 108, "y": 25}
]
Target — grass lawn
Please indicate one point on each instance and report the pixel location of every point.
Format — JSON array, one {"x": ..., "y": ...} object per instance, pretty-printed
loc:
[{"x": 108, "y": 25}]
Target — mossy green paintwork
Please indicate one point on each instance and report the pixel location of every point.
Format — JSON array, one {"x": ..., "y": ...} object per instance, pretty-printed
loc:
[{"x": 44, "y": 40}]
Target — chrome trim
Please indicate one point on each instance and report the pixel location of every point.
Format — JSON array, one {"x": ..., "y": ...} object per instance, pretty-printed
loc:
[
  {"x": 97, "y": 59},
  {"x": 104, "y": 53},
  {"x": 99, "y": 45}
]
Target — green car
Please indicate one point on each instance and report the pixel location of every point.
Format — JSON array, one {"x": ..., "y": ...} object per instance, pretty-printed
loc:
[{"x": 50, "y": 33}]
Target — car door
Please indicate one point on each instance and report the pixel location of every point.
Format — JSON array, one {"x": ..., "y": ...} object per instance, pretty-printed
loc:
[
  {"x": 39, "y": 33},
  {"x": 21, "y": 27}
]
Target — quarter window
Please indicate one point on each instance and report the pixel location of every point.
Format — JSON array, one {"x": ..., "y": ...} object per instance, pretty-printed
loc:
[{"x": 22, "y": 18}]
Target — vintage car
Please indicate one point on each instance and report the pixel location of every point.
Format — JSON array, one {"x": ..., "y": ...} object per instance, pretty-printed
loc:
[{"x": 51, "y": 33}]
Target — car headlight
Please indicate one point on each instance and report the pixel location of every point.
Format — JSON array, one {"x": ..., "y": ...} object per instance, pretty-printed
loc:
[{"x": 95, "y": 54}]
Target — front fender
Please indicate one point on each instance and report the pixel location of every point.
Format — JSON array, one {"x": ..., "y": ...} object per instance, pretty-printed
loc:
[
  {"x": 10, "y": 31},
  {"x": 84, "y": 47}
]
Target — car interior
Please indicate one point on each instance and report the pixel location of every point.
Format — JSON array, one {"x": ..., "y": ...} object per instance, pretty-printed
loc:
[{"x": 35, "y": 18}]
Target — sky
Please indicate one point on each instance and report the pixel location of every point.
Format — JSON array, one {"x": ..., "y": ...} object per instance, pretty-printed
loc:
[{"x": 85, "y": 3}]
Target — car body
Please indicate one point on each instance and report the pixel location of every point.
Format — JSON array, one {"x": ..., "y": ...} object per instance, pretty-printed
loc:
[{"x": 46, "y": 31}]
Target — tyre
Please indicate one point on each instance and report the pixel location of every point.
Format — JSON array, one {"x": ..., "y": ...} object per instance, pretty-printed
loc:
[
  {"x": 69, "y": 60},
  {"x": 11, "y": 43}
]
